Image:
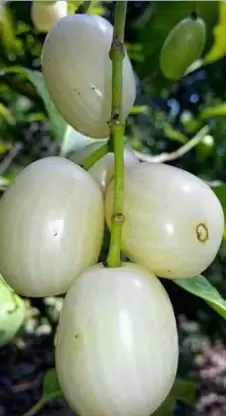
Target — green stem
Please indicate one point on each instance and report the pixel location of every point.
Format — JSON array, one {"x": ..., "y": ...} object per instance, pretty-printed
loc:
[
  {"x": 37, "y": 407},
  {"x": 86, "y": 5},
  {"x": 95, "y": 156},
  {"x": 117, "y": 128}
]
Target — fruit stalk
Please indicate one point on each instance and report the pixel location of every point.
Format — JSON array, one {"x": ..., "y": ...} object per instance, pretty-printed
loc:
[
  {"x": 117, "y": 128},
  {"x": 95, "y": 156}
]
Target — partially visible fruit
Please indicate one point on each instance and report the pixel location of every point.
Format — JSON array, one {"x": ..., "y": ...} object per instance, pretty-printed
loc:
[
  {"x": 182, "y": 47},
  {"x": 44, "y": 14},
  {"x": 51, "y": 227},
  {"x": 116, "y": 344},
  {"x": 174, "y": 222},
  {"x": 103, "y": 170},
  {"x": 77, "y": 71},
  {"x": 12, "y": 312}
]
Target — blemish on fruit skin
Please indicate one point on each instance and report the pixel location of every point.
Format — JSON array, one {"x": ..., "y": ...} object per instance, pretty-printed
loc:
[
  {"x": 55, "y": 232},
  {"x": 202, "y": 232}
]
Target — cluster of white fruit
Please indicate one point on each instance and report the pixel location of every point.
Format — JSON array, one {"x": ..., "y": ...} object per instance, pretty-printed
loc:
[{"x": 116, "y": 344}]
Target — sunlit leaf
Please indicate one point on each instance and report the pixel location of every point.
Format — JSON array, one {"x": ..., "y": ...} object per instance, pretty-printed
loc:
[
  {"x": 218, "y": 49},
  {"x": 216, "y": 111},
  {"x": 201, "y": 287},
  {"x": 6, "y": 114},
  {"x": 58, "y": 124},
  {"x": 73, "y": 140},
  {"x": 11, "y": 313},
  {"x": 174, "y": 134}
]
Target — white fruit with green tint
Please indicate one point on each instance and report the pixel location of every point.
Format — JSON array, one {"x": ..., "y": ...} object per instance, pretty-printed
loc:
[
  {"x": 44, "y": 14},
  {"x": 103, "y": 170},
  {"x": 116, "y": 344},
  {"x": 173, "y": 221},
  {"x": 51, "y": 227},
  {"x": 12, "y": 312},
  {"x": 77, "y": 72}
]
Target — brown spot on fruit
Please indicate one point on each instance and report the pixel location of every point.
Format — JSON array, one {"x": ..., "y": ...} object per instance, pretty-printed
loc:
[{"x": 202, "y": 232}]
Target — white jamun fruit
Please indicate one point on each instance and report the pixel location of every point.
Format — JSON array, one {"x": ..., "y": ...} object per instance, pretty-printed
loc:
[
  {"x": 44, "y": 14},
  {"x": 173, "y": 223},
  {"x": 51, "y": 227},
  {"x": 77, "y": 71},
  {"x": 117, "y": 343}
]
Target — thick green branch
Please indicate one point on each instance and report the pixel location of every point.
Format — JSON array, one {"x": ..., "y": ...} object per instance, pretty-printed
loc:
[{"x": 117, "y": 133}]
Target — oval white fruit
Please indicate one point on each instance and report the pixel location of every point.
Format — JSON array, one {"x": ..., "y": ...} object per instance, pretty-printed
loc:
[
  {"x": 44, "y": 15},
  {"x": 77, "y": 72},
  {"x": 51, "y": 227},
  {"x": 116, "y": 344},
  {"x": 12, "y": 313},
  {"x": 173, "y": 221},
  {"x": 102, "y": 171}
]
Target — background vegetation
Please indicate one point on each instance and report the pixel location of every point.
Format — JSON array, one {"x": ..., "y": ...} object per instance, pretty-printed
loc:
[{"x": 165, "y": 117}]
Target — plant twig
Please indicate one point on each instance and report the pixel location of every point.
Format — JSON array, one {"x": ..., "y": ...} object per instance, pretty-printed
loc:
[
  {"x": 86, "y": 6},
  {"x": 167, "y": 157},
  {"x": 117, "y": 128},
  {"x": 95, "y": 156},
  {"x": 37, "y": 407},
  {"x": 14, "y": 151}
]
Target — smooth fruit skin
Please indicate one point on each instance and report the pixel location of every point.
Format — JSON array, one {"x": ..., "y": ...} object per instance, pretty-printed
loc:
[
  {"x": 116, "y": 344},
  {"x": 103, "y": 170},
  {"x": 77, "y": 73},
  {"x": 182, "y": 47},
  {"x": 173, "y": 221},
  {"x": 44, "y": 15},
  {"x": 12, "y": 312},
  {"x": 51, "y": 227}
]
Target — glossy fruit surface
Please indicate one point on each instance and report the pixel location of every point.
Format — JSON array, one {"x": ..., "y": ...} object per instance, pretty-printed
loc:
[
  {"x": 173, "y": 221},
  {"x": 182, "y": 47},
  {"x": 77, "y": 72},
  {"x": 121, "y": 351},
  {"x": 11, "y": 313},
  {"x": 51, "y": 226},
  {"x": 44, "y": 15},
  {"x": 102, "y": 171}
]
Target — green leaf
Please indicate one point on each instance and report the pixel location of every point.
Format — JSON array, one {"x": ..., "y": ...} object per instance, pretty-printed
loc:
[
  {"x": 183, "y": 390},
  {"x": 51, "y": 387},
  {"x": 220, "y": 191},
  {"x": 201, "y": 287},
  {"x": 218, "y": 49},
  {"x": 58, "y": 124},
  {"x": 51, "y": 391},
  {"x": 73, "y": 141},
  {"x": 216, "y": 111},
  {"x": 174, "y": 134}
]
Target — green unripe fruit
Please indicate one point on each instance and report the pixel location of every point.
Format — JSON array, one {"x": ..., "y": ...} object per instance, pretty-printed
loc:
[{"x": 182, "y": 47}]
